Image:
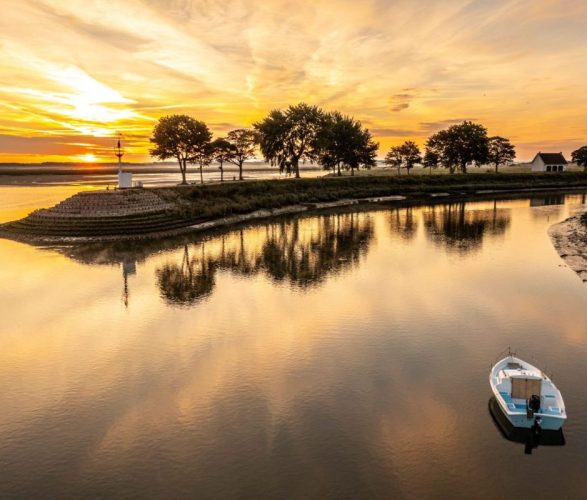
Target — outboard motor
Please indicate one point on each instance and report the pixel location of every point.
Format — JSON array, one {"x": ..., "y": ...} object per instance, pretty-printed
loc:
[{"x": 533, "y": 405}]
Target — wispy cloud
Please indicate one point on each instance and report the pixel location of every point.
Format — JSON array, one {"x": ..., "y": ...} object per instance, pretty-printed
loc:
[{"x": 93, "y": 67}]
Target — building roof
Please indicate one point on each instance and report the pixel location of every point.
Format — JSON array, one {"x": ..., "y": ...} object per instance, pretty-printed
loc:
[{"x": 552, "y": 158}]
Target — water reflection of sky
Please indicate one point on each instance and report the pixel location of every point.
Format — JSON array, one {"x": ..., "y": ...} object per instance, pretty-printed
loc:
[{"x": 339, "y": 355}]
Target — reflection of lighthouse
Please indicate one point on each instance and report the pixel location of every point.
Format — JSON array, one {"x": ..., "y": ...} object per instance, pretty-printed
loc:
[
  {"x": 124, "y": 178},
  {"x": 129, "y": 268}
]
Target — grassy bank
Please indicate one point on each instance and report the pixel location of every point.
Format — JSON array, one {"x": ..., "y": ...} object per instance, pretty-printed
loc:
[
  {"x": 166, "y": 211},
  {"x": 199, "y": 203}
]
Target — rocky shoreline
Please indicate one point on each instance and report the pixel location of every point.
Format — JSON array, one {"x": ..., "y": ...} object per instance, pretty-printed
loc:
[{"x": 570, "y": 240}]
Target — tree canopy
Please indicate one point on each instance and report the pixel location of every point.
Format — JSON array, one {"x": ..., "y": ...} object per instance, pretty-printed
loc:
[
  {"x": 243, "y": 143},
  {"x": 579, "y": 156},
  {"x": 343, "y": 142},
  {"x": 288, "y": 137},
  {"x": 501, "y": 151},
  {"x": 460, "y": 145},
  {"x": 404, "y": 156},
  {"x": 181, "y": 137},
  {"x": 222, "y": 151}
]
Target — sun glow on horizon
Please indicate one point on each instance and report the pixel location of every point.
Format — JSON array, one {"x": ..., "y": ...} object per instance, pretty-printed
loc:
[{"x": 88, "y": 158}]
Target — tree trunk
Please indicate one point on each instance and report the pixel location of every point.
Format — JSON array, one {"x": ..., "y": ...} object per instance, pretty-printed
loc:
[
  {"x": 496, "y": 168},
  {"x": 464, "y": 168},
  {"x": 297, "y": 168},
  {"x": 240, "y": 170},
  {"x": 339, "y": 173},
  {"x": 201, "y": 174},
  {"x": 221, "y": 171},
  {"x": 182, "y": 169},
  {"x": 352, "y": 171}
]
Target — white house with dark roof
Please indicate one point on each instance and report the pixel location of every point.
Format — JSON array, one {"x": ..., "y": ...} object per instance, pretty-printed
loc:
[{"x": 549, "y": 162}]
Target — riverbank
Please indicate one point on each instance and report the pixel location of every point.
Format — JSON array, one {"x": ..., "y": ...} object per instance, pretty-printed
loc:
[
  {"x": 570, "y": 240},
  {"x": 162, "y": 212}
]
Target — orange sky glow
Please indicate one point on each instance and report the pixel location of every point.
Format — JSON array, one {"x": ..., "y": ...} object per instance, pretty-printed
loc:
[{"x": 74, "y": 73}]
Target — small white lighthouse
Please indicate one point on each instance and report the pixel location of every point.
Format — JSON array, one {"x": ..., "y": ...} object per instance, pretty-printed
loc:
[{"x": 124, "y": 178}]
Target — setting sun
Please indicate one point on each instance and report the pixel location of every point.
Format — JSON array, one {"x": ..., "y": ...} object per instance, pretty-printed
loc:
[{"x": 88, "y": 158}]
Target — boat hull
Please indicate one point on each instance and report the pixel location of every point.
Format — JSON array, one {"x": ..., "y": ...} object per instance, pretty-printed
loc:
[{"x": 547, "y": 423}]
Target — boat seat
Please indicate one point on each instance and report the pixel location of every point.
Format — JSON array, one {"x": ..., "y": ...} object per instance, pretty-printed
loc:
[{"x": 512, "y": 406}]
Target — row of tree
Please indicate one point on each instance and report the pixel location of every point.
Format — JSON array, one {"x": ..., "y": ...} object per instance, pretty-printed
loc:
[
  {"x": 455, "y": 148},
  {"x": 304, "y": 133},
  {"x": 286, "y": 138}
]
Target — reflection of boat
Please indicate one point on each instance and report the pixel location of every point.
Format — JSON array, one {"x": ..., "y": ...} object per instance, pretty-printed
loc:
[
  {"x": 520, "y": 435},
  {"x": 527, "y": 397}
]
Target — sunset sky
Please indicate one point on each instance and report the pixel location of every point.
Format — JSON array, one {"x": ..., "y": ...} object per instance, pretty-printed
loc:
[{"x": 74, "y": 72}]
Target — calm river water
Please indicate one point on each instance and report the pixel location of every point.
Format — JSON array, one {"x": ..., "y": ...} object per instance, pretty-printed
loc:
[{"x": 342, "y": 355}]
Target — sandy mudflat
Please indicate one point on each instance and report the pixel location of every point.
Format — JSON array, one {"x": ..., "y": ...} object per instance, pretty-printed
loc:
[{"x": 570, "y": 240}]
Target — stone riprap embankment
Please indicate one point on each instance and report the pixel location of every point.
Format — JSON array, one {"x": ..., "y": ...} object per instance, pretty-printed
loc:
[
  {"x": 98, "y": 214},
  {"x": 570, "y": 240}
]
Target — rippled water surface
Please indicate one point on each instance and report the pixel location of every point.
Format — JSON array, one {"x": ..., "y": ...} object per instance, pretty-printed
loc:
[{"x": 341, "y": 355}]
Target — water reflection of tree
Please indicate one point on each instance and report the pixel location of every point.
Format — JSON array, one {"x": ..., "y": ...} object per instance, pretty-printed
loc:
[
  {"x": 338, "y": 243},
  {"x": 404, "y": 223},
  {"x": 188, "y": 281},
  {"x": 298, "y": 252},
  {"x": 461, "y": 229}
]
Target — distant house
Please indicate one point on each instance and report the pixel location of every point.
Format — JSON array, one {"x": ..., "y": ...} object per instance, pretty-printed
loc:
[{"x": 549, "y": 162}]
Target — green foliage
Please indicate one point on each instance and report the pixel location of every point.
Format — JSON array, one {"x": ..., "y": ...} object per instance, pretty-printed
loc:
[
  {"x": 288, "y": 137},
  {"x": 221, "y": 200},
  {"x": 501, "y": 151},
  {"x": 243, "y": 142},
  {"x": 460, "y": 145},
  {"x": 404, "y": 156},
  {"x": 343, "y": 142},
  {"x": 579, "y": 156},
  {"x": 180, "y": 137},
  {"x": 222, "y": 151}
]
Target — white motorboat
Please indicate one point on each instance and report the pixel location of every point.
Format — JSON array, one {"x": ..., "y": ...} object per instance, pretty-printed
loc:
[{"x": 526, "y": 395}]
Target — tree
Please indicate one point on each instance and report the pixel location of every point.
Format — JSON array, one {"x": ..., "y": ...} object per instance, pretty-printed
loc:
[
  {"x": 288, "y": 137},
  {"x": 411, "y": 155},
  {"x": 431, "y": 159},
  {"x": 579, "y": 156},
  {"x": 243, "y": 142},
  {"x": 222, "y": 151},
  {"x": 394, "y": 158},
  {"x": 501, "y": 151},
  {"x": 404, "y": 156},
  {"x": 180, "y": 137},
  {"x": 343, "y": 142},
  {"x": 460, "y": 145},
  {"x": 203, "y": 158}
]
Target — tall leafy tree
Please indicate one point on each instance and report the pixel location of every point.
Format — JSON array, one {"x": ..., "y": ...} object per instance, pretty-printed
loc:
[
  {"x": 394, "y": 158},
  {"x": 460, "y": 145},
  {"x": 501, "y": 151},
  {"x": 405, "y": 156},
  {"x": 431, "y": 159},
  {"x": 243, "y": 142},
  {"x": 579, "y": 156},
  {"x": 203, "y": 158},
  {"x": 288, "y": 137},
  {"x": 344, "y": 143},
  {"x": 411, "y": 155},
  {"x": 222, "y": 152},
  {"x": 180, "y": 137}
]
